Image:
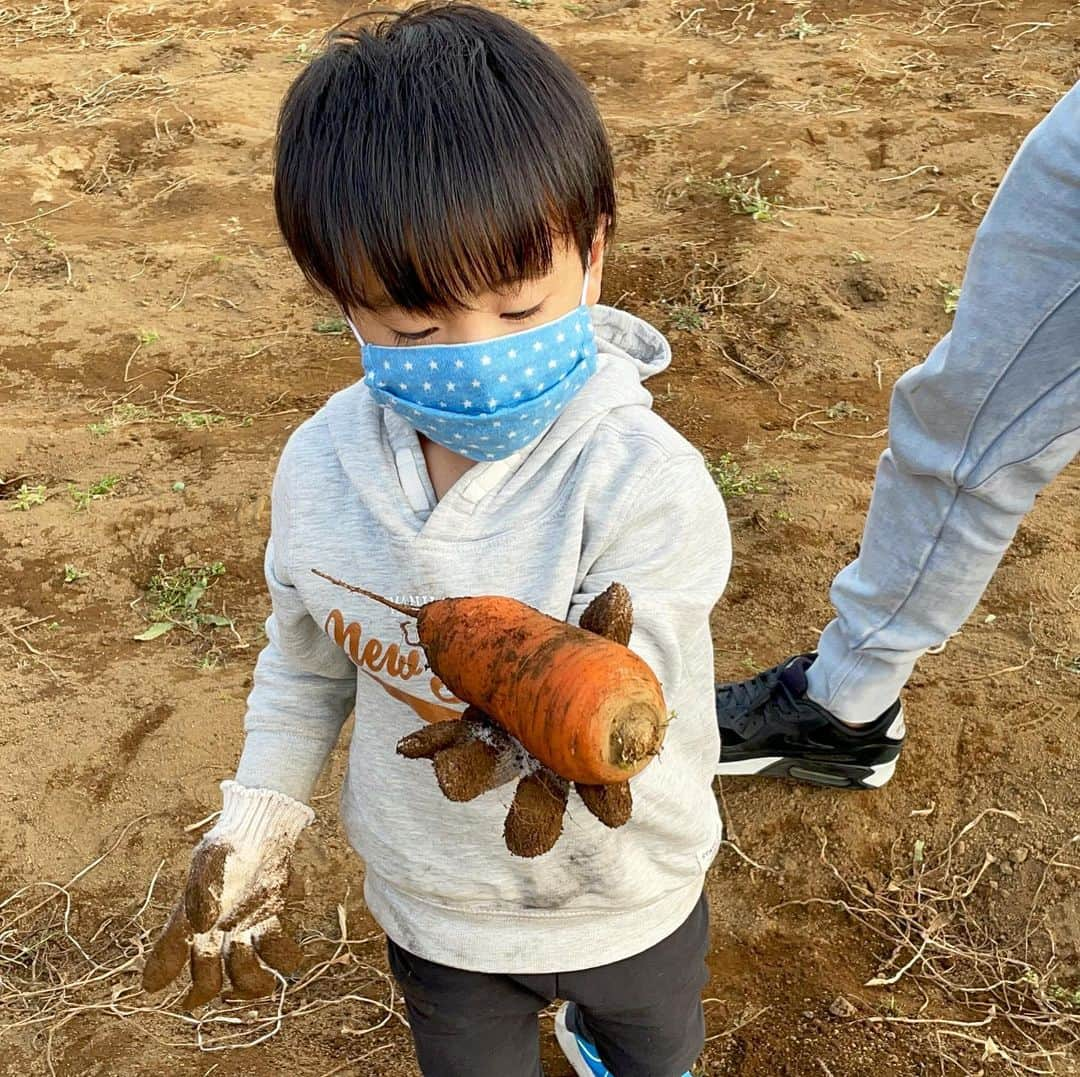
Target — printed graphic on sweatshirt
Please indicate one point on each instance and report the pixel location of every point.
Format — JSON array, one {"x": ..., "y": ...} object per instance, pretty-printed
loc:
[{"x": 389, "y": 662}]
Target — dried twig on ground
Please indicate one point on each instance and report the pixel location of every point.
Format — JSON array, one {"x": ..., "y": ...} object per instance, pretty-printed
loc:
[
  {"x": 50, "y": 977},
  {"x": 928, "y": 912}
]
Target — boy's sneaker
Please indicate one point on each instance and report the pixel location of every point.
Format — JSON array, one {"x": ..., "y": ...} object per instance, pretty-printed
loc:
[
  {"x": 769, "y": 727},
  {"x": 580, "y": 1053}
]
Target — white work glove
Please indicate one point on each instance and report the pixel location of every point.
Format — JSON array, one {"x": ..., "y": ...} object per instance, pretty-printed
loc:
[{"x": 232, "y": 904}]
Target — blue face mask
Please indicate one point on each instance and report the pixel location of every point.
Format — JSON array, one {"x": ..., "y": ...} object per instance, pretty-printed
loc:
[{"x": 486, "y": 399}]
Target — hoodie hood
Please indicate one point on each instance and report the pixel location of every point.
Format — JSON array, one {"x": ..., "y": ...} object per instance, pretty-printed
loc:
[
  {"x": 628, "y": 337},
  {"x": 629, "y": 350}
]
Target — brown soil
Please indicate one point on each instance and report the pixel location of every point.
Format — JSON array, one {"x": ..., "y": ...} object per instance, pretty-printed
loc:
[{"x": 152, "y": 299}]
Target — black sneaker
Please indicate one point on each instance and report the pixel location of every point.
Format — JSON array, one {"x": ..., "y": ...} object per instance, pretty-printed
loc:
[{"x": 769, "y": 727}]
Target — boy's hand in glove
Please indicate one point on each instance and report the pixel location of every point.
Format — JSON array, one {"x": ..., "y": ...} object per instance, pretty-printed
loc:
[{"x": 232, "y": 904}]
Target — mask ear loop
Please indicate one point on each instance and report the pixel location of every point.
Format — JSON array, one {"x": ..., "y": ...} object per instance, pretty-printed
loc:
[
  {"x": 356, "y": 332},
  {"x": 584, "y": 288}
]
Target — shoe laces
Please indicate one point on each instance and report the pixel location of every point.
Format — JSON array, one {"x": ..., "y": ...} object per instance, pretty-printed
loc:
[{"x": 746, "y": 695}]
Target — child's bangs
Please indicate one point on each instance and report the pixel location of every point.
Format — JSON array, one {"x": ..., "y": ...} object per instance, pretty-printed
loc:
[{"x": 438, "y": 261}]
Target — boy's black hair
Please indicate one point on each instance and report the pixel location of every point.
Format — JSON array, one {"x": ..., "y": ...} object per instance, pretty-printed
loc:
[{"x": 443, "y": 149}]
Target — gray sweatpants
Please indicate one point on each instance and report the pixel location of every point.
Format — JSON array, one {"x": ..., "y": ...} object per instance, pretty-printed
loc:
[
  {"x": 643, "y": 1014},
  {"x": 975, "y": 432}
]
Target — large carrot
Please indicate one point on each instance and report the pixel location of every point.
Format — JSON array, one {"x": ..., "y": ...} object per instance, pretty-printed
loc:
[{"x": 585, "y": 706}]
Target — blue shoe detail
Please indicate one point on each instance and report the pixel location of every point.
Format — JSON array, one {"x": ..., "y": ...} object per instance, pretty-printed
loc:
[{"x": 580, "y": 1052}]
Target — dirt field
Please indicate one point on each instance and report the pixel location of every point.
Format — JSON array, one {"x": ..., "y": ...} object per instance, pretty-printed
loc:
[{"x": 799, "y": 187}]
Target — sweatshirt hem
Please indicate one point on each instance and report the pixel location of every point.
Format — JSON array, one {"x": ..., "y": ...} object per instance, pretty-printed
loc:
[{"x": 505, "y": 943}]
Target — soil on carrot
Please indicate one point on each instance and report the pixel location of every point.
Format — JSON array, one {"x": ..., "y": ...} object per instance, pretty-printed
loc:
[{"x": 799, "y": 187}]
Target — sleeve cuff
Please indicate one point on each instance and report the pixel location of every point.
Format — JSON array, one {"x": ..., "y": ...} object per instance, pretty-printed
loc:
[{"x": 254, "y": 816}]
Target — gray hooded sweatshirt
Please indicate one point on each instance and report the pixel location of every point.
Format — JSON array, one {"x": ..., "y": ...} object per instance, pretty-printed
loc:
[{"x": 609, "y": 492}]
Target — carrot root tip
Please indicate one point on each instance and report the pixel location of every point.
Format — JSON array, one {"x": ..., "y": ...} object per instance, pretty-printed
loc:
[{"x": 635, "y": 735}]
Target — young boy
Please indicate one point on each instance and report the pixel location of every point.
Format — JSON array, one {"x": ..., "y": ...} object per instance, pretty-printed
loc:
[{"x": 446, "y": 178}]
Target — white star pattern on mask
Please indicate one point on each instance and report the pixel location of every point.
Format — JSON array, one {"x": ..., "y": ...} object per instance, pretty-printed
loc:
[{"x": 490, "y": 387}]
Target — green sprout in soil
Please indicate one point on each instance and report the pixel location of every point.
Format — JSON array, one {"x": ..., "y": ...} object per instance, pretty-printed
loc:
[
  {"x": 800, "y": 28},
  {"x": 1066, "y": 995},
  {"x": 858, "y": 257},
  {"x": 198, "y": 420},
  {"x": 732, "y": 481},
  {"x": 687, "y": 318},
  {"x": 845, "y": 409},
  {"x": 301, "y": 55},
  {"x": 330, "y": 325},
  {"x": 148, "y": 336},
  {"x": 94, "y": 492},
  {"x": 176, "y": 594},
  {"x": 27, "y": 496},
  {"x": 73, "y": 574},
  {"x": 950, "y": 296},
  {"x": 744, "y": 196},
  {"x": 120, "y": 415}
]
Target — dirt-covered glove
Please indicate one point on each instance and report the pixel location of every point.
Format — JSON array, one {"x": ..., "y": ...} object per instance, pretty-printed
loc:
[
  {"x": 232, "y": 905},
  {"x": 475, "y": 754}
]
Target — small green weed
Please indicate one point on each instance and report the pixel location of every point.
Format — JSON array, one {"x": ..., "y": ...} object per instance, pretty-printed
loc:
[
  {"x": 27, "y": 496},
  {"x": 72, "y": 574},
  {"x": 1069, "y": 996},
  {"x": 732, "y": 481},
  {"x": 149, "y": 336},
  {"x": 94, "y": 492},
  {"x": 176, "y": 594},
  {"x": 800, "y": 28},
  {"x": 950, "y": 296},
  {"x": 302, "y": 54},
  {"x": 845, "y": 409},
  {"x": 330, "y": 325},
  {"x": 687, "y": 318},
  {"x": 120, "y": 415},
  {"x": 744, "y": 196},
  {"x": 198, "y": 420}
]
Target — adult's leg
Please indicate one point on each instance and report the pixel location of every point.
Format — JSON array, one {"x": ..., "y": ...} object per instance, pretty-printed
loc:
[
  {"x": 975, "y": 432},
  {"x": 469, "y": 1024}
]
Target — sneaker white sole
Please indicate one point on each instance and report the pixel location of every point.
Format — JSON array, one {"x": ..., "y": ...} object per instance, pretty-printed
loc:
[
  {"x": 782, "y": 766},
  {"x": 571, "y": 1046}
]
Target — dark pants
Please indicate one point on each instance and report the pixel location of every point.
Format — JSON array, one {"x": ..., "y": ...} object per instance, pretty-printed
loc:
[{"x": 643, "y": 1013}]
